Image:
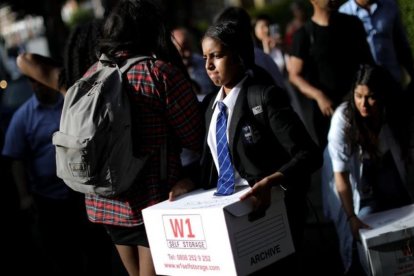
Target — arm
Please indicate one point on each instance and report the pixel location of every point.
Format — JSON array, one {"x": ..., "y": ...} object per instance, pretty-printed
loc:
[
  {"x": 288, "y": 130},
  {"x": 340, "y": 156},
  {"x": 183, "y": 116},
  {"x": 261, "y": 191},
  {"x": 20, "y": 179},
  {"x": 295, "y": 70},
  {"x": 41, "y": 68},
  {"x": 345, "y": 193},
  {"x": 402, "y": 47}
]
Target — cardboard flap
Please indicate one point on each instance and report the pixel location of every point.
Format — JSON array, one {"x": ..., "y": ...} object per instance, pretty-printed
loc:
[
  {"x": 240, "y": 208},
  {"x": 388, "y": 226},
  {"x": 243, "y": 208}
]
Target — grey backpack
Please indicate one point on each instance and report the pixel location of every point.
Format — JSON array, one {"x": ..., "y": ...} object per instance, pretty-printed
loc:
[{"x": 94, "y": 144}]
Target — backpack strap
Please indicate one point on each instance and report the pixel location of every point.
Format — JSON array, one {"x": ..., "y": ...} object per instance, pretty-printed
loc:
[
  {"x": 104, "y": 59},
  {"x": 255, "y": 100},
  {"x": 131, "y": 61}
]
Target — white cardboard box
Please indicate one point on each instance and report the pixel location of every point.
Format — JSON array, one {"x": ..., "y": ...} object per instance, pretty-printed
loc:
[
  {"x": 203, "y": 234},
  {"x": 389, "y": 245}
]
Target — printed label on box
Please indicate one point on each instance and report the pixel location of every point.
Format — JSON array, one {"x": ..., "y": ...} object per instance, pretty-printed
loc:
[{"x": 184, "y": 231}]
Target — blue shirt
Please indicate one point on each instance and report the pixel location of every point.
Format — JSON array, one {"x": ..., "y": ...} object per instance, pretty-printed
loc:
[
  {"x": 385, "y": 33},
  {"x": 29, "y": 138}
]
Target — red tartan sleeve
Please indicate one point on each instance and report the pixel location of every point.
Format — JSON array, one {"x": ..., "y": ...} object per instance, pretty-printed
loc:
[{"x": 183, "y": 110}]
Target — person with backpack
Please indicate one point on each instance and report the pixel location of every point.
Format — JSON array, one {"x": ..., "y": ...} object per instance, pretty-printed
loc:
[
  {"x": 165, "y": 113},
  {"x": 165, "y": 118},
  {"x": 265, "y": 144}
]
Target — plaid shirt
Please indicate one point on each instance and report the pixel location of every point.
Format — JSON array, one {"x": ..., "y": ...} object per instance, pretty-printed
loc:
[{"x": 166, "y": 112}]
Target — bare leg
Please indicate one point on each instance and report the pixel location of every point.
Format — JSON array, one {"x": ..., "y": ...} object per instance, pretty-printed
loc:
[
  {"x": 145, "y": 262},
  {"x": 130, "y": 258}
]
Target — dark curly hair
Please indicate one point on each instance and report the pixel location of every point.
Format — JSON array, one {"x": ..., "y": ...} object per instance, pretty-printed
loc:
[
  {"x": 80, "y": 51},
  {"x": 138, "y": 27}
]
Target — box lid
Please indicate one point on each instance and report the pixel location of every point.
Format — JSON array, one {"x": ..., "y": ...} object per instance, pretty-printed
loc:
[
  {"x": 388, "y": 226},
  {"x": 202, "y": 199},
  {"x": 242, "y": 208}
]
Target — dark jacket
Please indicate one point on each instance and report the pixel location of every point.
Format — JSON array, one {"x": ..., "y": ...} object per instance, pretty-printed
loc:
[{"x": 281, "y": 144}]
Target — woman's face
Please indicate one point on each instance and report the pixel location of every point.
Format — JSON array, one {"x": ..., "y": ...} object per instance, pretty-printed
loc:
[
  {"x": 261, "y": 29},
  {"x": 221, "y": 65},
  {"x": 365, "y": 101}
]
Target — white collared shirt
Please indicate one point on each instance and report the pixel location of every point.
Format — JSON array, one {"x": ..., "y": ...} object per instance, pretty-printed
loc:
[{"x": 230, "y": 102}]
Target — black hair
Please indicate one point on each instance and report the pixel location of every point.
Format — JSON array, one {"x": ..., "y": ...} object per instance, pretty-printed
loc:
[
  {"x": 361, "y": 131},
  {"x": 260, "y": 17},
  {"x": 80, "y": 51},
  {"x": 242, "y": 20},
  {"x": 234, "y": 39},
  {"x": 138, "y": 27},
  {"x": 238, "y": 15}
]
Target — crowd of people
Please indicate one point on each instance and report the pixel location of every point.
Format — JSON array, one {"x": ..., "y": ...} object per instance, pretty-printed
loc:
[{"x": 341, "y": 67}]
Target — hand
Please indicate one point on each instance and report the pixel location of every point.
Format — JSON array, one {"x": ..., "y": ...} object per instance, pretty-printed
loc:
[
  {"x": 325, "y": 105},
  {"x": 182, "y": 186},
  {"x": 356, "y": 224},
  {"x": 26, "y": 203},
  {"x": 260, "y": 194},
  {"x": 28, "y": 208},
  {"x": 267, "y": 42}
]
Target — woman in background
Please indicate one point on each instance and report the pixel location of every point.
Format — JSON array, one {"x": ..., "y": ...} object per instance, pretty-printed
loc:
[{"x": 364, "y": 168}]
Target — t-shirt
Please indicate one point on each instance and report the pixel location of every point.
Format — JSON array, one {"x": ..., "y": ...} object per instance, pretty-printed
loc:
[{"x": 332, "y": 53}]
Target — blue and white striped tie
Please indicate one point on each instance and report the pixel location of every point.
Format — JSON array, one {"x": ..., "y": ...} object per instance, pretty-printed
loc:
[{"x": 225, "y": 183}]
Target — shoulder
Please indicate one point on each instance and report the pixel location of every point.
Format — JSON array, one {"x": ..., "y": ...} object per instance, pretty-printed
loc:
[
  {"x": 301, "y": 38},
  {"x": 159, "y": 68},
  {"x": 388, "y": 7},
  {"x": 348, "y": 24},
  {"x": 91, "y": 70},
  {"x": 21, "y": 117},
  {"x": 268, "y": 94},
  {"x": 343, "y": 17},
  {"x": 302, "y": 31},
  {"x": 346, "y": 7},
  {"x": 26, "y": 107},
  {"x": 339, "y": 116},
  {"x": 388, "y": 3},
  {"x": 155, "y": 71}
]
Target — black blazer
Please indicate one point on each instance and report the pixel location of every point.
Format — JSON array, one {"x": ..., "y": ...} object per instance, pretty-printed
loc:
[{"x": 282, "y": 144}]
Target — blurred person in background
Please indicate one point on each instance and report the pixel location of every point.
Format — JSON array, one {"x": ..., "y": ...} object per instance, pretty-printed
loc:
[
  {"x": 386, "y": 35},
  {"x": 58, "y": 209},
  {"x": 365, "y": 161},
  {"x": 298, "y": 11},
  {"x": 193, "y": 61},
  {"x": 267, "y": 36},
  {"x": 79, "y": 54},
  {"x": 324, "y": 57}
]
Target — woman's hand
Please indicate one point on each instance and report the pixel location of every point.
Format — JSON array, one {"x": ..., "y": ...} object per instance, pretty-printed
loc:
[
  {"x": 325, "y": 105},
  {"x": 260, "y": 194},
  {"x": 182, "y": 186},
  {"x": 261, "y": 191},
  {"x": 355, "y": 223}
]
